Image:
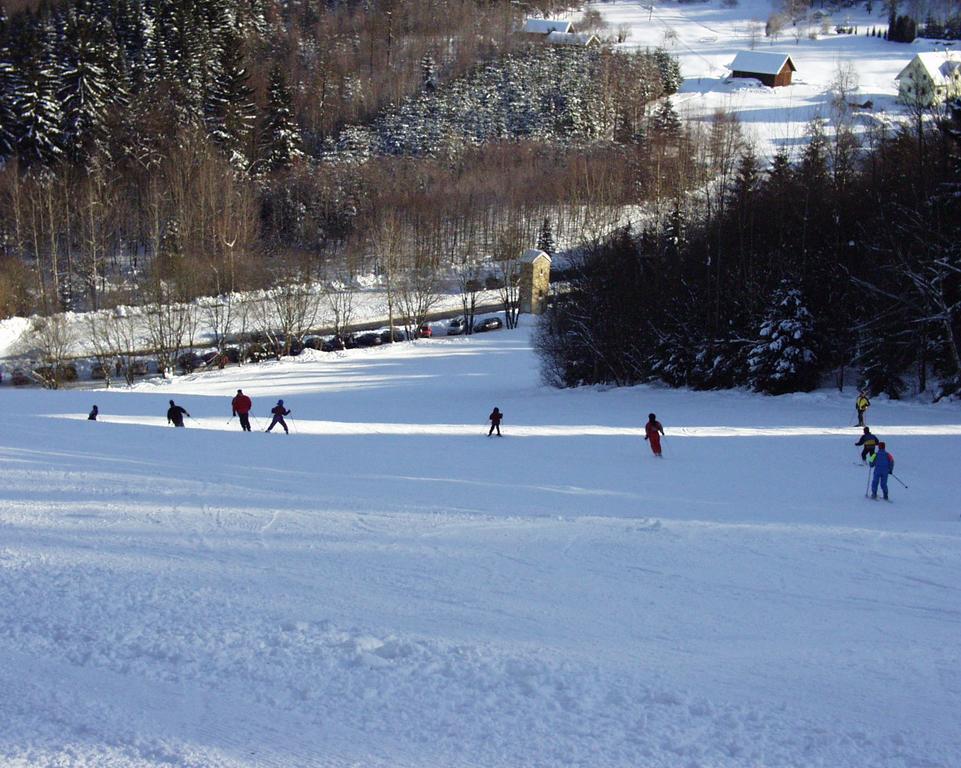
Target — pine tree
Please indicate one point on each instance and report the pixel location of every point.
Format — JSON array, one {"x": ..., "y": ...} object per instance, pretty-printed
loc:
[
  {"x": 665, "y": 121},
  {"x": 87, "y": 90},
  {"x": 784, "y": 358},
  {"x": 231, "y": 113},
  {"x": 35, "y": 102},
  {"x": 545, "y": 239},
  {"x": 670, "y": 70},
  {"x": 428, "y": 69},
  {"x": 280, "y": 138},
  {"x": 8, "y": 88}
]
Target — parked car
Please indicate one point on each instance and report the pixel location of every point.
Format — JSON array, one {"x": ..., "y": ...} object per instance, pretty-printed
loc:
[
  {"x": 398, "y": 336},
  {"x": 492, "y": 283},
  {"x": 425, "y": 331},
  {"x": 370, "y": 339},
  {"x": 457, "y": 326},
  {"x": 60, "y": 373},
  {"x": 334, "y": 344},
  {"x": 189, "y": 361},
  {"x": 488, "y": 324},
  {"x": 19, "y": 377},
  {"x": 98, "y": 371},
  {"x": 314, "y": 342}
]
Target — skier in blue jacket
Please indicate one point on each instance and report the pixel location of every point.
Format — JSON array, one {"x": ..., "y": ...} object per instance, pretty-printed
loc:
[{"x": 883, "y": 463}]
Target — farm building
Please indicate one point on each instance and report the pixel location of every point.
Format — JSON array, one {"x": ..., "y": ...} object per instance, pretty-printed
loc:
[
  {"x": 581, "y": 39},
  {"x": 543, "y": 27},
  {"x": 930, "y": 79},
  {"x": 772, "y": 69}
]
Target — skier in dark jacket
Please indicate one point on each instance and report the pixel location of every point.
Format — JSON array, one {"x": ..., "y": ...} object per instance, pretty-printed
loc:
[
  {"x": 653, "y": 431},
  {"x": 241, "y": 405},
  {"x": 94, "y": 412},
  {"x": 279, "y": 412},
  {"x": 869, "y": 442},
  {"x": 495, "y": 418},
  {"x": 883, "y": 466},
  {"x": 175, "y": 414}
]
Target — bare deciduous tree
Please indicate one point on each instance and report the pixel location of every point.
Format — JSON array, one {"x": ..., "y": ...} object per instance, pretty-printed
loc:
[{"x": 52, "y": 338}]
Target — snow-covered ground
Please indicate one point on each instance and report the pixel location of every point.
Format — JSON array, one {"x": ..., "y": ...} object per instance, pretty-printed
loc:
[
  {"x": 706, "y": 36},
  {"x": 388, "y": 587}
]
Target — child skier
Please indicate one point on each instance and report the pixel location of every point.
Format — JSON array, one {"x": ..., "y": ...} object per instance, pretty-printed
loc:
[
  {"x": 652, "y": 432},
  {"x": 495, "y": 418},
  {"x": 279, "y": 412},
  {"x": 94, "y": 412}
]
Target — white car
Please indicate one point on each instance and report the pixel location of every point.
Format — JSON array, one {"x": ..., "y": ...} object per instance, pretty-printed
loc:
[{"x": 456, "y": 326}]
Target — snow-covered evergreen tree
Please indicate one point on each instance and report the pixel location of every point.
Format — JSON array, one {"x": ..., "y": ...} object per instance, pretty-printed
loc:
[
  {"x": 89, "y": 84},
  {"x": 784, "y": 357},
  {"x": 280, "y": 137},
  {"x": 230, "y": 110},
  {"x": 665, "y": 120},
  {"x": 8, "y": 88},
  {"x": 670, "y": 69},
  {"x": 35, "y": 102},
  {"x": 545, "y": 238}
]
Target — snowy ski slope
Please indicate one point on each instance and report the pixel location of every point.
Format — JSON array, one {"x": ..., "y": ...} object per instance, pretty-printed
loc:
[{"x": 388, "y": 587}]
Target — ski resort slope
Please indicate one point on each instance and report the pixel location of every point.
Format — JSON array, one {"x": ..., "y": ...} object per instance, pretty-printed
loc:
[
  {"x": 705, "y": 37},
  {"x": 387, "y": 586}
]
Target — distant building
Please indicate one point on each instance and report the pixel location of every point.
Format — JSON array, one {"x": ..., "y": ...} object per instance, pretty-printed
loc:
[
  {"x": 543, "y": 27},
  {"x": 930, "y": 79},
  {"x": 580, "y": 39},
  {"x": 535, "y": 281},
  {"x": 772, "y": 69}
]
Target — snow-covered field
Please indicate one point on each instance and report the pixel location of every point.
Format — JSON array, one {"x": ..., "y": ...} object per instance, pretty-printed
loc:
[
  {"x": 706, "y": 36},
  {"x": 388, "y": 587}
]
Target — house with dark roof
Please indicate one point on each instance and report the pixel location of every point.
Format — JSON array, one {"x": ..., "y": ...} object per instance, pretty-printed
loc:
[{"x": 772, "y": 69}]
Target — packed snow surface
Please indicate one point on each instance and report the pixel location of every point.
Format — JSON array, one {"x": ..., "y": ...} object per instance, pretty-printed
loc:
[{"x": 387, "y": 586}]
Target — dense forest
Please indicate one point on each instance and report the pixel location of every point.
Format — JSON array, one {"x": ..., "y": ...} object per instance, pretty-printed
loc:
[
  {"x": 160, "y": 150},
  {"x": 846, "y": 264}
]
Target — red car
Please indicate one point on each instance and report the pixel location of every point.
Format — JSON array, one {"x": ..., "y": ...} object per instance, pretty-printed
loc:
[{"x": 424, "y": 332}]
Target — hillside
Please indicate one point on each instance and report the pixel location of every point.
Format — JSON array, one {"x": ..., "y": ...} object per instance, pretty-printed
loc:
[{"x": 388, "y": 587}]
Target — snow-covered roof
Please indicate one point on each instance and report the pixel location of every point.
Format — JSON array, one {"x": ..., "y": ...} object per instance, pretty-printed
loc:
[
  {"x": 533, "y": 254},
  {"x": 572, "y": 38},
  {"x": 546, "y": 26},
  {"x": 763, "y": 63},
  {"x": 937, "y": 64}
]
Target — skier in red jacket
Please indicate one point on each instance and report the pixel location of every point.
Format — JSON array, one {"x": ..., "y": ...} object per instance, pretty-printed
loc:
[
  {"x": 652, "y": 432},
  {"x": 241, "y": 405}
]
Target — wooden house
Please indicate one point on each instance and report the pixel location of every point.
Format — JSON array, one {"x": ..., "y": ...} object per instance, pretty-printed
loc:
[
  {"x": 579, "y": 39},
  {"x": 930, "y": 79},
  {"x": 772, "y": 69}
]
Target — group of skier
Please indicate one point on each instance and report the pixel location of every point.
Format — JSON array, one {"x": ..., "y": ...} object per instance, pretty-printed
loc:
[{"x": 874, "y": 452}]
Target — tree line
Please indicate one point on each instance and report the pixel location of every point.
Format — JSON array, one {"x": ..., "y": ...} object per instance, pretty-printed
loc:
[
  {"x": 169, "y": 149},
  {"x": 844, "y": 265}
]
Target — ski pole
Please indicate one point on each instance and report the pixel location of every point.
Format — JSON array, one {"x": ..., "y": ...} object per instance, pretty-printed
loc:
[
  {"x": 293, "y": 427},
  {"x": 899, "y": 479}
]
